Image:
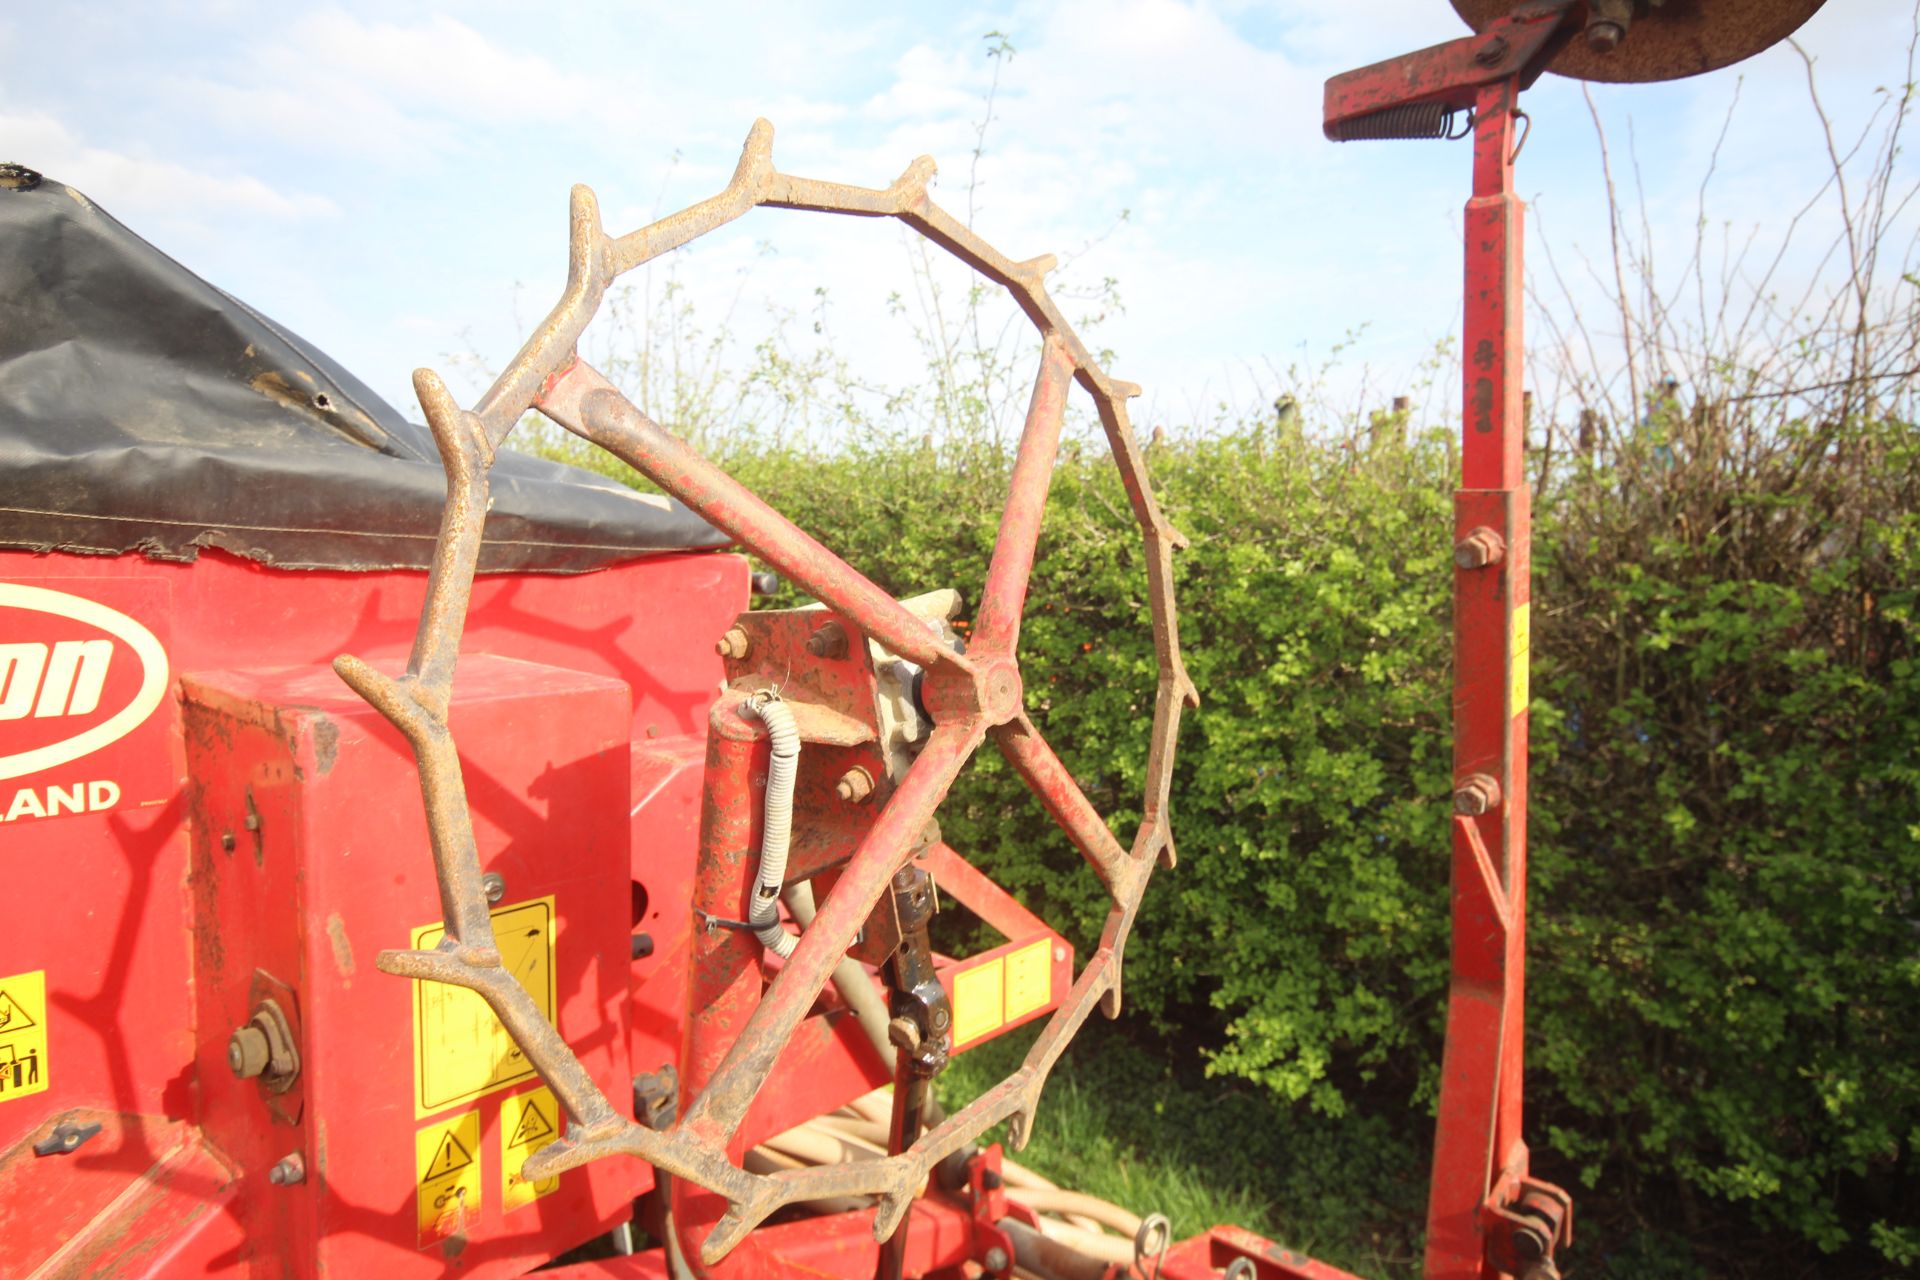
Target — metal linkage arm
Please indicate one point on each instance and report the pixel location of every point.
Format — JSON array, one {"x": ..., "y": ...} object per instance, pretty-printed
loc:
[{"x": 1384, "y": 100}]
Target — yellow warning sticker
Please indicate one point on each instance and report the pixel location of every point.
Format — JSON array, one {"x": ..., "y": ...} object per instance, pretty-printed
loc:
[
  {"x": 1521, "y": 649},
  {"x": 447, "y": 1172},
  {"x": 460, "y": 1050},
  {"x": 528, "y": 1122},
  {"x": 977, "y": 1007},
  {"x": 23, "y": 1035},
  {"x": 1029, "y": 978}
]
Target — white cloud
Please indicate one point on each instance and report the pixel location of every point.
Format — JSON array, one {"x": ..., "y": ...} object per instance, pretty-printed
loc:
[
  {"x": 382, "y": 90},
  {"x": 134, "y": 185},
  {"x": 448, "y": 144}
]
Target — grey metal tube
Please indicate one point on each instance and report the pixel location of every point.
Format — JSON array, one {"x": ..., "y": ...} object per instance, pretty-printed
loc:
[
  {"x": 858, "y": 992},
  {"x": 1048, "y": 1257}
]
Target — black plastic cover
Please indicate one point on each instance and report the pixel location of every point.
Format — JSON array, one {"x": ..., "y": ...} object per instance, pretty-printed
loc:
[{"x": 143, "y": 409}]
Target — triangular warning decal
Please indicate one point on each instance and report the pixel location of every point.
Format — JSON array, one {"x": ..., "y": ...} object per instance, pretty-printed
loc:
[
  {"x": 449, "y": 1158},
  {"x": 13, "y": 1017},
  {"x": 533, "y": 1127}
]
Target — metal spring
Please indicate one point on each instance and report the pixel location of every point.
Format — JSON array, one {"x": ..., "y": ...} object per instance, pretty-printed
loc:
[{"x": 1410, "y": 120}]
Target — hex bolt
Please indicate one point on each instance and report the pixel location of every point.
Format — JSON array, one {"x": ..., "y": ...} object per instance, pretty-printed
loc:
[
  {"x": 290, "y": 1171},
  {"x": 263, "y": 1049},
  {"x": 1529, "y": 1243},
  {"x": 1607, "y": 23},
  {"x": 1605, "y": 37},
  {"x": 1491, "y": 52},
  {"x": 830, "y": 641},
  {"x": 733, "y": 644},
  {"x": 855, "y": 785},
  {"x": 904, "y": 1034},
  {"x": 1479, "y": 794},
  {"x": 248, "y": 1051},
  {"x": 996, "y": 1259},
  {"x": 495, "y": 886},
  {"x": 226, "y": 841},
  {"x": 1479, "y": 549}
]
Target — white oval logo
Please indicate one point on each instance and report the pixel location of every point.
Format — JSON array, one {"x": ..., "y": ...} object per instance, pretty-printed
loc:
[{"x": 65, "y": 678}]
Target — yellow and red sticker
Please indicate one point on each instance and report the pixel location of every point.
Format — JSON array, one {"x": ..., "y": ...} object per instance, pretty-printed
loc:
[
  {"x": 447, "y": 1177},
  {"x": 1004, "y": 989},
  {"x": 1522, "y": 650},
  {"x": 460, "y": 1050},
  {"x": 528, "y": 1122},
  {"x": 23, "y": 1035}
]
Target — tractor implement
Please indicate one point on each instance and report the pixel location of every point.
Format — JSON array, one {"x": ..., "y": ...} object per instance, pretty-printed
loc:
[
  {"x": 421, "y": 860},
  {"x": 1486, "y": 1215}
]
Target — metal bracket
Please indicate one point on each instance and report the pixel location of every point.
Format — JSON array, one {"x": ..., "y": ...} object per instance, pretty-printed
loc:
[{"x": 65, "y": 1139}]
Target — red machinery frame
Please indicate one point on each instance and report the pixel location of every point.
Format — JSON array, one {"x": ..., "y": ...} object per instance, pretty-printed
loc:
[{"x": 1486, "y": 1217}]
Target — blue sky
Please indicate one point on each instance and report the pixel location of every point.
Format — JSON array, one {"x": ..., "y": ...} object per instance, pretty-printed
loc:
[{"x": 391, "y": 180}]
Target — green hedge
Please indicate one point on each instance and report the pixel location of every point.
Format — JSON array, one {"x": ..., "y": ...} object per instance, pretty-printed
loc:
[{"x": 1724, "y": 1025}]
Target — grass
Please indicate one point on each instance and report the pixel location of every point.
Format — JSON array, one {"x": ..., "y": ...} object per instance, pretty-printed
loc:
[{"x": 1138, "y": 1124}]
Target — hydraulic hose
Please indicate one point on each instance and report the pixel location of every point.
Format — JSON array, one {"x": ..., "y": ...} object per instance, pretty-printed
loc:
[{"x": 776, "y": 828}]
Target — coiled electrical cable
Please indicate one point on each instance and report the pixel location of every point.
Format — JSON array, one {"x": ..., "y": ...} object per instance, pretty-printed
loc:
[{"x": 776, "y": 828}]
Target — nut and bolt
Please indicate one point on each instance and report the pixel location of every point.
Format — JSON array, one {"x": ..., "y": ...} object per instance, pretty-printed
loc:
[
  {"x": 248, "y": 1051},
  {"x": 1479, "y": 794},
  {"x": 1607, "y": 23},
  {"x": 1479, "y": 549},
  {"x": 733, "y": 644},
  {"x": 996, "y": 1259},
  {"x": 495, "y": 886},
  {"x": 290, "y": 1171},
  {"x": 1605, "y": 37},
  {"x": 1491, "y": 52},
  {"x": 830, "y": 641},
  {"x": 904, "y": 1035},
  {"x": 855, "y": 785},
  {"x": 262, "y": 1048}
]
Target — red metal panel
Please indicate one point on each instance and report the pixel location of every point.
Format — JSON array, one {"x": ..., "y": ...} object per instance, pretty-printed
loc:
[
  {"x": 98, "y": 901},
  {"x": 313, "y": 891},
  {"x": 666, "y": 832},
  {"x": 138, "y": 1197},
  {"x": 1204, "y": 1257},
  {"x": 834, "y": 1247}
]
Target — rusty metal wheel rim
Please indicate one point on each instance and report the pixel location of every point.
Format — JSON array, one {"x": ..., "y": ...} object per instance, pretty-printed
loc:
[{"x": 978, "y": 693}]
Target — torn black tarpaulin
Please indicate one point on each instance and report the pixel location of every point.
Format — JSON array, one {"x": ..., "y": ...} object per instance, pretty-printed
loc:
[{"x": 143, "y": 409}]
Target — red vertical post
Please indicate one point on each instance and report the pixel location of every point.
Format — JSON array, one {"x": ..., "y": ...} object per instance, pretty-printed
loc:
[
  {"x": 1478, "y": 1143},
  {"x": 724, "y": 982}
]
